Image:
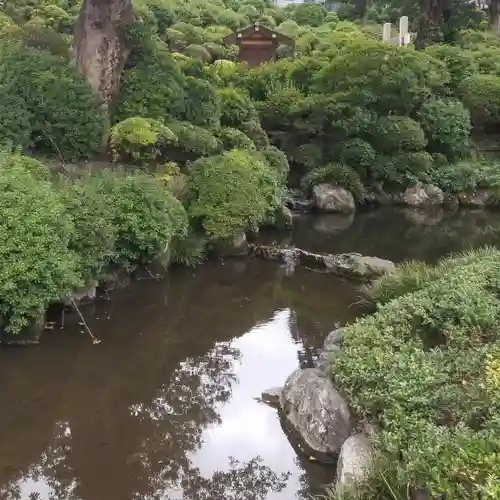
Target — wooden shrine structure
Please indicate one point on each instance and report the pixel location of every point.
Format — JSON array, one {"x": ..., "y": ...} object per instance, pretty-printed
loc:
[{"x": 257, "y": 44}]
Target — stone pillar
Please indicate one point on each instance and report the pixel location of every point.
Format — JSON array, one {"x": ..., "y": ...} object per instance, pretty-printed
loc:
[
  {"x": 403, "y": 31},
  {"x": 386, "y": 34}
]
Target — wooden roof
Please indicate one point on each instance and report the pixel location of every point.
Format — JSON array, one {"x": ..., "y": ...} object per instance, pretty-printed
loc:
[{"x": 249, "y": 31}]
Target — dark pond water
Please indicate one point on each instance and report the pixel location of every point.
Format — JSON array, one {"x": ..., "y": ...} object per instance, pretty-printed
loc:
[{"x": 165, "y": 407}]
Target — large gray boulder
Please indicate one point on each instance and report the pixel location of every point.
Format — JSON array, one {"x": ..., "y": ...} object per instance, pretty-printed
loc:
[
  {"x": 423, "y": 195},
  {"x": 355, "y": 265},
  {"x": 354, "y": 462},
  {"x": 329, "y": 198},
  {"x": 331, "y": 349},
  {"x": 313, "y": 409}
]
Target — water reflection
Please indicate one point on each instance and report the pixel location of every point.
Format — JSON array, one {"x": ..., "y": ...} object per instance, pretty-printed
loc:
[
  {"x": 165, "y": 408},
  {"x": 396, "y": 233}
]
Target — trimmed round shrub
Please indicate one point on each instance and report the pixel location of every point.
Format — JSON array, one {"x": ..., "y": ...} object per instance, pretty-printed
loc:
[
  {"x": 231, "y": 138},
  {"x": 358, "y": 154},
  {"x": 146, "y": 215},
  {"x": 140, "y": 140},
  {"x": 37, "y": 265},
  {"x": 154, "y": 88},
  {"x": 480, "y": 94},
  {"x": 396, "y": 133},
  {"x": 232, "y": 192},
  {"x": 192, "y": 142},
  {"x": 65, "y": 116},
  {"x": 336, "y": 174},
  {"x": 236, "y": 107},
  {"x": 447, "y": 126}
]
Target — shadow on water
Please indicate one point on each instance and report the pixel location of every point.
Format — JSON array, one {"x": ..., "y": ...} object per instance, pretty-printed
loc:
[{"x": 166, "y": 407}]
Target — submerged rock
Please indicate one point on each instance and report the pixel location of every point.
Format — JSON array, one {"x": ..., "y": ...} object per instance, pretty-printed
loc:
[
  {"x": 329, "y": 198},
  {"x": 423, "y": 195},
  {"x": 477, "y": 199},
  {"x": 333, "y": 223},
  {"x": 354, "y": 462},
  {"x": 351, "y": 265},
  {"x": 316, "y": 412},
  {"x": 232, "y": 247},
  {"x": 427, "y": 217},
  {"x": 272, "y": 396},
  {"x": 29, "y": 335}
]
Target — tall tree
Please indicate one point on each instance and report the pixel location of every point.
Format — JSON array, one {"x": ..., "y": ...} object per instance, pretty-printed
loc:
[
  {"x": 100, "y": 46},
  {"x": 494, "y": 15}
]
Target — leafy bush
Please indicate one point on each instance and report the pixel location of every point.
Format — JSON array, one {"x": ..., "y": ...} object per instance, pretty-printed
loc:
[
  {"x": 231, "y": 138},
  {"x": 481, "y": 95},
  {"x": 140, "y": 140},
  {"x": 257, "y": 134},
  {"x": 397, "y": 133},
  {"x": 37, "y": 265},
  {"x": 383, "y": 77},
  {"x": 202, "y": 106},
  {"x": 232, "y": 192},
  {"x": 358, "y": 154},
  {"x": 192, "y": 142},
  {"x": 146, "y": 216},
  {"x": 419, "y": 369},
  {"x": 94, "y": 236},
  {"x": 402, "y": 169},
  {"x": 65, "y": 116},
  {"x": 309, "y": 14},
  {"x": 278, "y": 162},
  {"x": 337, "y": 174},
  {"x": 15, "y": 127},
  {"x": 154, "y": 88},
  {"x": 459, "y": 62},
  {"x": 236, "y": 107},
  {"x": 198, "y": 52},
  {"x": 466, "y": 177},
  {"x": 446, "y": 124}
]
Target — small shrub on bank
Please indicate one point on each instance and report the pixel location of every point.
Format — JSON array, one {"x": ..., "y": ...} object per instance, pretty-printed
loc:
[
  {"x": 236, "y": 107},
  {"x": 337, "y": 174},
  {"x": 192, "y": 142},
  {"x": 419, "y": 369},
  {"x": 15, "y": 126},
  {"x": 396, "y": 133},
  {"x": 146, "y": 215},
  {"x": 446, "y": 124},
  {"x": 95, "y": 234},
  {"x": 232, "y": 192},
  {"x": 37, "y": 265},
  {"x": 466, "y": 177}
]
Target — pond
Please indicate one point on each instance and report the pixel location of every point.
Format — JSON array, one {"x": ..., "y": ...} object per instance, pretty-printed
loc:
[{"x": 166, "y": 407}]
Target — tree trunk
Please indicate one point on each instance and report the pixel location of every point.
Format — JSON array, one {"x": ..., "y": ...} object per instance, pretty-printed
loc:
[
  {"x": 431, "y": 17},
  {"x": 100, "y": 47},
  {"x": 494, "y": 15}
]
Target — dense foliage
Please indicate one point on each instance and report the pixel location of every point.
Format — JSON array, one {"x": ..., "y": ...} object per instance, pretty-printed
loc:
[{"x": 423, "y": 368}]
